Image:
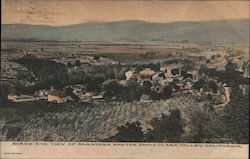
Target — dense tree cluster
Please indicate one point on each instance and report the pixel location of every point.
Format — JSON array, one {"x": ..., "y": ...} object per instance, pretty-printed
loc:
[
  {"x": 201, "y": 125},
  {"x": 236, "y": 117},
  {"x": 128, "y": 132},
  {"x": 132, "y": 91},
  {"x": 230, "y": 75},
  {"x": 51, "y": 73},
  {"x": 150, "y": 55},
  {"x": 168, "y": 128},
  {"x": 153, "y": 66},
  {"x": 5, "y": 90},
  {"x": 206, "y": 85},
  {"x": 48, "y": 72}
]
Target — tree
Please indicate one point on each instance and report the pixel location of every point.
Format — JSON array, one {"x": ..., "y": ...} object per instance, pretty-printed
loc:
[
  {"x": 199, "y": 84},
  {"x": 69, "y": 64},
  {"x": 203, "y": 69},
  {"x": 4, "y": 95},
  {"x": 167, "y": 92},
  {"x": 246, "y": 66},
  {"x": 212, "y": 85},
  {"x": 199, "y": 135},
  {"x": 112, "y": 89},
  {"x": 147, "y": 84},
  {"x": 77, "y": 63},
  {"x": 147, "y": 87},
  {"x": 205, "y": 126},
  {"x": 96, "y": 57},
  {"x": 168, "y": 128},
  {"x": 129, "y": 132},
  {"x": 230, "y": 67},
  {"x": 236, "y": 117},
  {"x": 94, "y": 83},
  {"x": 208, "y": 61},
  {"x": 48, "y": 72},
  {"x": 69, "y": 92},
  {"x": 187, "y": 67},
  {"x": 133, "y": 91},
  {"x": 109, "y": 72},
  {"x": 213, "y": 57},
  {"x": 175, "y": 71}
]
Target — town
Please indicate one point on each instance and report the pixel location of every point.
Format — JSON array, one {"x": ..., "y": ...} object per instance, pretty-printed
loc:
[
  {"x": 155, "y": 80},
  {"x": 101, "y": 90}
]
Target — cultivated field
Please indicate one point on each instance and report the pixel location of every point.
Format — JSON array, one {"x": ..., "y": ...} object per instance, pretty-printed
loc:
[
  {"x": 98, "y": 122},
  {"x": 55, "y": 49}
]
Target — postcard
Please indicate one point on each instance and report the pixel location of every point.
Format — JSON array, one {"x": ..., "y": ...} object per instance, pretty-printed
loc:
[{"x": 124, "y": 79}]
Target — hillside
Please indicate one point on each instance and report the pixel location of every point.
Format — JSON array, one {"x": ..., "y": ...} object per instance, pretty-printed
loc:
[
  {"x": 95, "y": 123},
  {"x": 132, "y": 31}
]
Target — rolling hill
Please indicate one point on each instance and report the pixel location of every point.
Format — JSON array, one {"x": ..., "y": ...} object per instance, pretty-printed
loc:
[{"x": 133, "y": 31}]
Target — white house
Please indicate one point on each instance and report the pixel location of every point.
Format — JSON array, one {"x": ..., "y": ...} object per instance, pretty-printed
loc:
[
  {"x": 129, "y": 74},
  {"x": 57, "y": 96}
]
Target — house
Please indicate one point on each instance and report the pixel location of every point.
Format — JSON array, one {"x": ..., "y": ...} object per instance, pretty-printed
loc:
[
  {"x": 147, "y": 73},
  {"x": 136, "y": 75},
  {"x": 57, "y": 96},
  {"x": 21, "y": 98},
  {"x": 97, "y": 97},
  {"x": 129, "y": 74}
]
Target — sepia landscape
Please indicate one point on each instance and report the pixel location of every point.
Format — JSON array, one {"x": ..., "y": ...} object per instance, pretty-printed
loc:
[{"x": 128, "y": 80}]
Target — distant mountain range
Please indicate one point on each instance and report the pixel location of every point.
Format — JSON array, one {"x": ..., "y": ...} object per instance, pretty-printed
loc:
[{"x": 133, "y": 31}]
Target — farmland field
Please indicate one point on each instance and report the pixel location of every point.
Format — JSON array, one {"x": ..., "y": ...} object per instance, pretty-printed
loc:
[
  {"x": 96, "y": 122},
  {"x": 53, "y": 49}
]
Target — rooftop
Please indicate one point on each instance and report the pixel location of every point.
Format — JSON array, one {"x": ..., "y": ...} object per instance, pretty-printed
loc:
[{"x": 57, "y": 93}]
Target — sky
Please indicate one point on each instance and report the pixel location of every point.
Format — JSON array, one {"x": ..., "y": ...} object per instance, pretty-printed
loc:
[{"x": 68, "y": 12}]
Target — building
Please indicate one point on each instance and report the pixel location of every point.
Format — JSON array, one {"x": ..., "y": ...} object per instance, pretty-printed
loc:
[
  {"x": 97, "y": 97},
  {"x": 147, "y": 73},
  {"x": 21, "y": 98},
  {"x": 129, "y": 74},
  {"x": 57, "y": 96}
]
